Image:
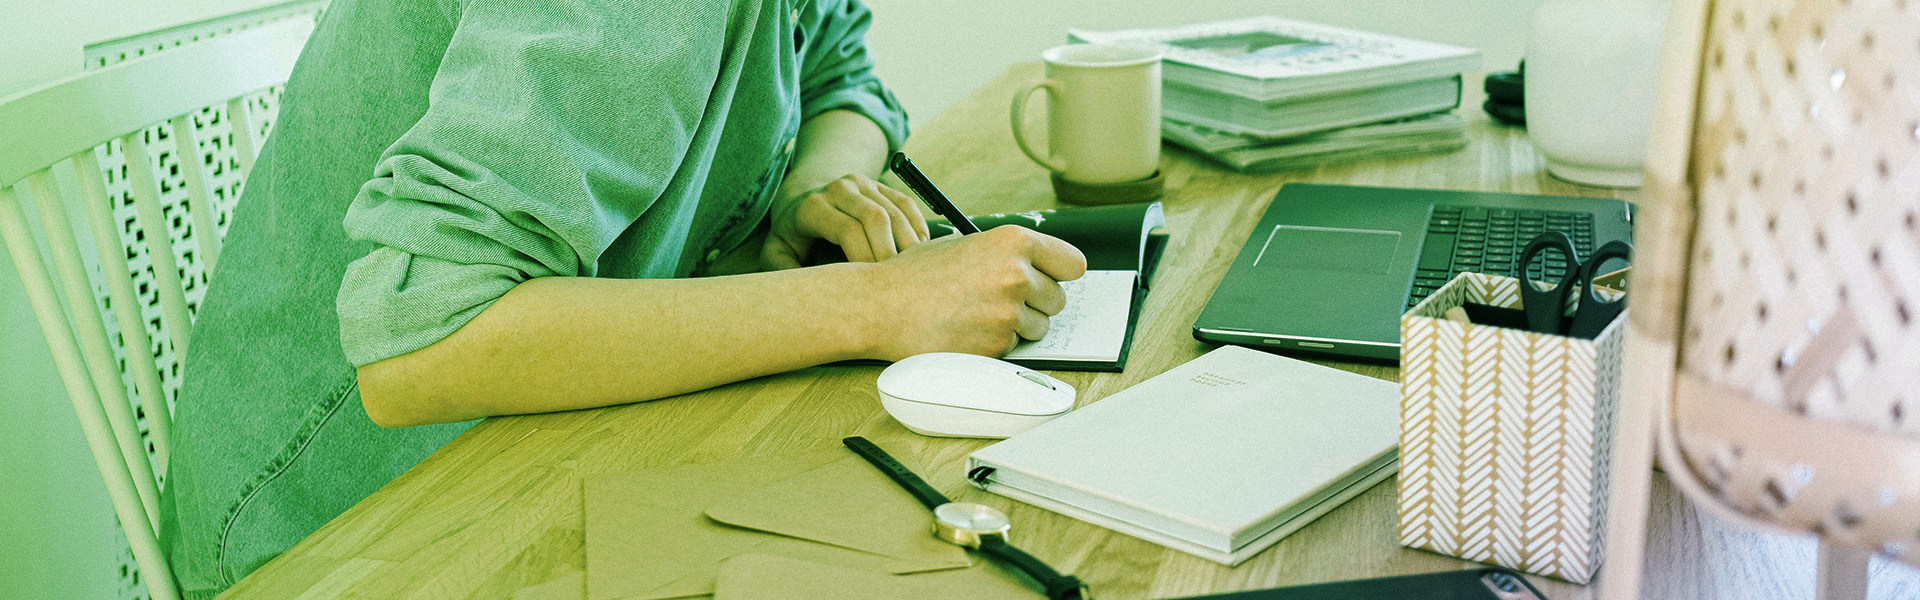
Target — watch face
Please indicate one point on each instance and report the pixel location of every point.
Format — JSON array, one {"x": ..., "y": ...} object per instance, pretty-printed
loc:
[{"x": 967, "y": 516}]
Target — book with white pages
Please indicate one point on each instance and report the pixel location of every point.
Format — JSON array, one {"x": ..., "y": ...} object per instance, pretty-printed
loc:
[
  {"x": 1425, "y": 134},
  {"x": 1288, "y": 117},
  {"x": 1214, "y": 142},
  {"x": 1093, "y": 328},
  {"x": 1267, "y": 58},
  {"x": 1268, "y": 77},
  {"x": 1220, "y": 457},
  {"x": 1094, "y": 331}
]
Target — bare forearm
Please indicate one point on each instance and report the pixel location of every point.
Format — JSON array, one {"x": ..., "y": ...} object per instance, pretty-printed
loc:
[
  {"x": 569, "y": 343},
  {"x": 832, "y": 144}
]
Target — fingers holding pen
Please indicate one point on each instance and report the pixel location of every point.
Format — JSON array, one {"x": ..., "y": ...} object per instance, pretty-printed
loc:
[
  {"x": 899, "y": 229},
  {"x": 916, "y": 230},
  {"x": 822, "y": 215},
  {"x": 854, "y": 213},
  {"x": 997, "y": 287}
]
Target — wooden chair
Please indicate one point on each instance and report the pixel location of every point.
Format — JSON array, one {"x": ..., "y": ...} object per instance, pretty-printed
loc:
[
  {"x": 70, "y": 125},
  {"x": 1774, "y": 351}
]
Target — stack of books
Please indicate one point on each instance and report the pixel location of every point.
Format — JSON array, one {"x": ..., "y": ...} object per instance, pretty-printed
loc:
[{"x": 1267, "y": 93}]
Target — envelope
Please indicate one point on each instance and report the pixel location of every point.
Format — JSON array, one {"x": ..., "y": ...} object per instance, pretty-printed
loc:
[
  {"x": 766, "y": 577},
  {"x": 664, "y": 533},
  {"x": 565, "y": 587}
]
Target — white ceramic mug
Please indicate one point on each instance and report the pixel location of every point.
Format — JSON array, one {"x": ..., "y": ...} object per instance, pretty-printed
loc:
[{"x": 1103, "y": 117}]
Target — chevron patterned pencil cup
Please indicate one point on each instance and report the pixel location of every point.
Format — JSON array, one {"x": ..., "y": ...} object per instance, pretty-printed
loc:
[{"x": 1503, "y": 433}]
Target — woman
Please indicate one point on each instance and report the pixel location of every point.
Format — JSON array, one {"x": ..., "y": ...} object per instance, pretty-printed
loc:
[{"x": 544, "y": 177}]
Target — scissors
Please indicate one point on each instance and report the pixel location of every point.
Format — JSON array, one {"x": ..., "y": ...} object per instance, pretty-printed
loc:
[{"x": 1546, "y": 308}]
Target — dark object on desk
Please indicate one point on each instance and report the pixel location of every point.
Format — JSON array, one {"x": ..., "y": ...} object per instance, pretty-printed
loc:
[
  {"x": 1507, "y": 114},
  {"x": 921, "y": 186},
  {"x": 1495, "y": 316},
  {"x": 1330, "y": 268},
  {"x": 970, "y": 525},
  {"x": 1126, "y": 237},
  {"x": 1506, "y": 96},
  {"x": 1102, "y": 194},
  {"x": 1500, "y": 316},
  {"x": 1546, "y": 309},
  {"x": 1508, "y": 87},
  {"x": 1490, "y": 583}
]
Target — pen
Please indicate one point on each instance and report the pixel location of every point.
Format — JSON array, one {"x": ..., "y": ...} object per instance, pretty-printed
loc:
[{"x": 917, "y": 181}]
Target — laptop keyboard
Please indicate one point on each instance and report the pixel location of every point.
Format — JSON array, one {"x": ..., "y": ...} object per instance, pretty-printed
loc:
[{"x": 1490, "y": 240}]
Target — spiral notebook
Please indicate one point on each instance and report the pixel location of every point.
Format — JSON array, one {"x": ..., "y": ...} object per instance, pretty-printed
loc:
[{"x": 1220, "y": 457}]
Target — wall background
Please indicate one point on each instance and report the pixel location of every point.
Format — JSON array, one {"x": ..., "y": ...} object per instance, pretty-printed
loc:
[{"x": 58, "y": 538}]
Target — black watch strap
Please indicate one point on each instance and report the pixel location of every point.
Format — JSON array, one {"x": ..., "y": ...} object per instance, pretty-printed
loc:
[
  {"x": 1057, "y": 586},
  {"x": 896, "y": 471}
]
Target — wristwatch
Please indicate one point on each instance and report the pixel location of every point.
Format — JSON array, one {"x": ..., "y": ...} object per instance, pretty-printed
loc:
[{"x": 977, "y": 526}]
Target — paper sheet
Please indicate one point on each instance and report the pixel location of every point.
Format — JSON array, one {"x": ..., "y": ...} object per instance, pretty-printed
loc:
[
  {"x": 1093, "y": 326},
  {"x": 649, "y": 535},
  {"x": 762, "y": 577},
  {"x": 846, "y": 503},
  {"x": 572, "y": 586}
]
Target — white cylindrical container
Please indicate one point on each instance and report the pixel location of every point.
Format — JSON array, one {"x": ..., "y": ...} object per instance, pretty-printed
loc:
[{"x": 1592, "y": 66}]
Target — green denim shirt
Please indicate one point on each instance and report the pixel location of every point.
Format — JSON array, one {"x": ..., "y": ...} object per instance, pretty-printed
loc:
[{"x": 431, "y": 155}]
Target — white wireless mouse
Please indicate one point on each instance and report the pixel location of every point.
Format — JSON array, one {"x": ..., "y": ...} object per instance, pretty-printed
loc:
[{"x": 948, "y": 394}]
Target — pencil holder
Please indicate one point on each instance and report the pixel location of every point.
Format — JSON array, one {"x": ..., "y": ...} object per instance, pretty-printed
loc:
[{"x": 1503, "y": 434}]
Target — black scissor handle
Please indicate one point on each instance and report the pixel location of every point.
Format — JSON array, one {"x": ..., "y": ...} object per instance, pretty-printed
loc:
[
  {"x": 1545, "y": 307},
  {"x": 1594, "y": 314}
]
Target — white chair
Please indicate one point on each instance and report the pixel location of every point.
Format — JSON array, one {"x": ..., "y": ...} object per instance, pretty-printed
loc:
[
  {"x": 60, "y": 126},
  {"x": 1773, "y": 357}
]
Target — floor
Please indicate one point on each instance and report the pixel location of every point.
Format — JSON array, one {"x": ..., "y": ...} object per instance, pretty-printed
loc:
[{"x": 1700, "y": 557}]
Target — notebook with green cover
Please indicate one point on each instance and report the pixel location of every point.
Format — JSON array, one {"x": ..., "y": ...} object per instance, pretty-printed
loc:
[
  {"x": 1095, "y": 330},
  {"x": 1122, "y": 244}
]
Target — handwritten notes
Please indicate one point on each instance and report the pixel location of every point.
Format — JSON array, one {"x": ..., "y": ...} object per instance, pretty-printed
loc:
[{"x": 1093, "y": 327}]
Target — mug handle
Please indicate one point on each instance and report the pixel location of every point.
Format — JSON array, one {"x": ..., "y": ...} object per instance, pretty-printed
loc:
[{"x": 1019, "y": 110}]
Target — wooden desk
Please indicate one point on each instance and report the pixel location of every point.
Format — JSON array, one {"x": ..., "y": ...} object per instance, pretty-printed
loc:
[{"x": 498, "y": 509}]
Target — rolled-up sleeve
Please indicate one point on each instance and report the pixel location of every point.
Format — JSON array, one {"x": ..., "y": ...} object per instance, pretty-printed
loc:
[
  {"x": 836, "y": 72},
  {"x": 550, "y": 130}
]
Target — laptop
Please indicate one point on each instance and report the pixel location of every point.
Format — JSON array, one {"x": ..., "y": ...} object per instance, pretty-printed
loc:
[{"x": 1330, "y": 268}]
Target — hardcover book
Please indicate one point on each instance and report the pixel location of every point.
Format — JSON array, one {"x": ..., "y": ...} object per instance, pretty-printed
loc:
[
  {"x": 1220, "y": 457},
  {"x": 1267, "y": 58},
  {"x": 1426, "y": 134},
  {"x": 1268, "y": 77}
]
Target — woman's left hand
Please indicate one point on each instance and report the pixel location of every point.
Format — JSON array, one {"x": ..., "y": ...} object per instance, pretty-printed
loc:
[{"x": 868, "y": 220}]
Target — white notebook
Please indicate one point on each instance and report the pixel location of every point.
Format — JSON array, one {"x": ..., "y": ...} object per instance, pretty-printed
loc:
[
  {"x": 1220, "y": 457},
  {"x": 1092, "y": 327},
  {"x": 1122, "y": 244}
]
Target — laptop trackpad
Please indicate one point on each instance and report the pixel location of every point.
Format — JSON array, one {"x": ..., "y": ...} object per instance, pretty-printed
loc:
[{"x": 1329, "y": 249}]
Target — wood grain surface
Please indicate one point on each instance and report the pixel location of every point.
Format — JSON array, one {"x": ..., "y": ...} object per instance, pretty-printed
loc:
[{"x": 497, "y": 512}]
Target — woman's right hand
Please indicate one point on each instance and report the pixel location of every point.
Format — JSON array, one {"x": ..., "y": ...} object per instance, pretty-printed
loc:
[{"x": 978, "y": 294}]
